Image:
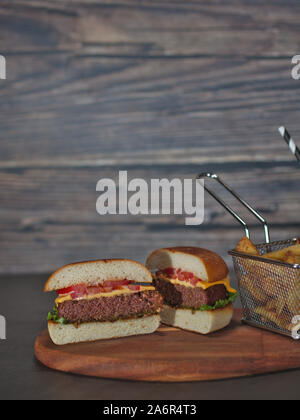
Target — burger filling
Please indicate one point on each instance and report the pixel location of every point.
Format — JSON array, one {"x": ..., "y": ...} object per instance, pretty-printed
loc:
[
  {"x": 183, "y": 290},
  {"x": 110, "y": 301}
]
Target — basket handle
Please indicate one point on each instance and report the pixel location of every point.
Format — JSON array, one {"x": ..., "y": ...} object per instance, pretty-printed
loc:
[{"x": 230, "y": 210}]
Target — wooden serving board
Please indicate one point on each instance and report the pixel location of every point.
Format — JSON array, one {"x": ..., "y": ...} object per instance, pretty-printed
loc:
[{"x": 174, "y": 355}]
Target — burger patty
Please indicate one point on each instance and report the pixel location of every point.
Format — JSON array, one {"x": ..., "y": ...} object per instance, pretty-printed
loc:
[
  {"x": 191, "y": 297},
  {"x": 110, "y": 308}
]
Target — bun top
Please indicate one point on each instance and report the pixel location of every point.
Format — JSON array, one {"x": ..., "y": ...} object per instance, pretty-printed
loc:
[
  {"x": 93, "y": 273},
  {"x": 204, "y": 264}
]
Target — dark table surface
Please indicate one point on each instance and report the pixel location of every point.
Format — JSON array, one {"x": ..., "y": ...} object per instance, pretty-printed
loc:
[{"x": 24, "y": 305}]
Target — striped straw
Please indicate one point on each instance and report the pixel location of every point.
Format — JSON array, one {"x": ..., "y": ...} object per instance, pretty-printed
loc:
[{"x": 290, "y": 142}]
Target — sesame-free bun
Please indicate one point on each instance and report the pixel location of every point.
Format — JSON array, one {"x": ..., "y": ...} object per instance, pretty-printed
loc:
[
  {"x": 96, "y": 272},
  {"x": 204, "y": 264},
  {"x": 203, "y": 322},
  {"x": 92, "y": 331}
]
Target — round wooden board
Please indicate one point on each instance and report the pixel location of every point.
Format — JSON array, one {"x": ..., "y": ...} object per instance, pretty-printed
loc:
[{"x": 174, "y": 355}]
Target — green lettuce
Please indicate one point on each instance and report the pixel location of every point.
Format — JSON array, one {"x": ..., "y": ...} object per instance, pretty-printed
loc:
[
  {"x": 218, "y": 305},
  {"x": 53, "y": 316}
]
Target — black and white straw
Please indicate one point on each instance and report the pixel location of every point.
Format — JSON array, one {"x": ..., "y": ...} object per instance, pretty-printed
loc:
[{"x": 290, "y": 142}]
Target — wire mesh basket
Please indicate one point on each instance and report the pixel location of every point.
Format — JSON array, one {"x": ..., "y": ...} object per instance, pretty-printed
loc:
[{"x": 269, "y": 289}]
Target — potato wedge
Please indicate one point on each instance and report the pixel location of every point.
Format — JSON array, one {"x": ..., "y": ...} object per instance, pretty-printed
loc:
[
  {"x": 247, "y": 247},
  {"x": 272, "y": 316},
  {"x": 281, "y": 254},
  {"x": 291, "y": 258}
]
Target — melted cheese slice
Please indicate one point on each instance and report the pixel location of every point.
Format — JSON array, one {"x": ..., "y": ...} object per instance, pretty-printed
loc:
[
  {"x": 61, "y": 299},
  {"x": 202, "y": 284}
]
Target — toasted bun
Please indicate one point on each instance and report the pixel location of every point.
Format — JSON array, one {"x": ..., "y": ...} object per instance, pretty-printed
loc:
[
  {"x": 204, "y": 264},
  {"x": 201, "y": 322},
  {"x": 92, "y": 331},
  {"x": 96, "y": 272}
]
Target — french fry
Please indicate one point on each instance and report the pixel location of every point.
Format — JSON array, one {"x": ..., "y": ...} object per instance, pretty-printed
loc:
[
  {"x": 293, "y": 300},
  {"x": 281, "y": 254},
  {"x": 271, "y": 305},
  {"x": 271, "y": 316},
  {"x": 276, "y": 305},
  {"x": 259, "y": 295},
  {"x": 281, "y": 303},
  {"x": 268, "y": 278},
  {"x": 291, "y": 258},
  {"x": 247, "y": 247},
  {"x": 274, "y": 288}
]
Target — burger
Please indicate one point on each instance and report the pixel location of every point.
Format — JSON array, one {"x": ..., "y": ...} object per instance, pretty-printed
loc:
[
  {"x": 102, "y": 299},
  {"x": 195, "y": 287}
]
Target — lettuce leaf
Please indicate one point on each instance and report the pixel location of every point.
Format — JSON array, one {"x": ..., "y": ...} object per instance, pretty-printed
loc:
[
  {"x": 53, "y": 316},
  {"x": 218, "y": 305}
]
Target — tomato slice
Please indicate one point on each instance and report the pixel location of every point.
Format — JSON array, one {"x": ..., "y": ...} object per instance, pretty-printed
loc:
[
  {"x": 75, "y": 291},
  {"x": 65, "y": 291},
  {"x": 108, "y": 289},
  {"x": 194, "y": 281},
  {"x": 169, "y": 272},
  {"x": 115, "y": 283},
  {"x": 81, "y": 290},
  {"x": 134, "y": 287},
  {"x": 186, "y": 276},
  {"x": 183, "y": 276},
  {"x": 123, "y": 282},
  {"x": 93, "y": 290},
  {"x": 107, "y": 283}
]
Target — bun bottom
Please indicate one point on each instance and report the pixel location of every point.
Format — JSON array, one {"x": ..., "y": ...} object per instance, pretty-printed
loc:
[
  {"x": 92, "y": 331},
  {"x": 201, "y": 322}
]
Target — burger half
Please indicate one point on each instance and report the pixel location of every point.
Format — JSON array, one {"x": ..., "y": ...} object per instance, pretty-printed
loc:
[
  {"x": 102, "y": 299},
  {"x": 195, "y": 286}
]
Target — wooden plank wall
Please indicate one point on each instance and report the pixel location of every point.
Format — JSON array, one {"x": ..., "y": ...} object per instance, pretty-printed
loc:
[{"x": 161, "y": 88}]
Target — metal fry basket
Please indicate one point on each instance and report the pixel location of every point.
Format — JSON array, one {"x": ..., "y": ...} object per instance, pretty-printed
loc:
[{"x": 269, "y": 289}]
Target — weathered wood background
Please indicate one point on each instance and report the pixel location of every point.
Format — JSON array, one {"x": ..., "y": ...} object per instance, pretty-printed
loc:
[{"x": 160, "y": 88}]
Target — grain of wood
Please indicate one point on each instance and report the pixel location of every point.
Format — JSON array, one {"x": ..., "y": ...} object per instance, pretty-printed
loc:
[
  {"x": 52, "y": 213},
  {"x": 69, "y": 195},
  {"x": 159, "y": 88},
  {"x": 53, "y": 246},
  {"x": 236, "y": 351},
  {"x": 63, "y": 111},
  {"x": 151, "y": 29}
]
